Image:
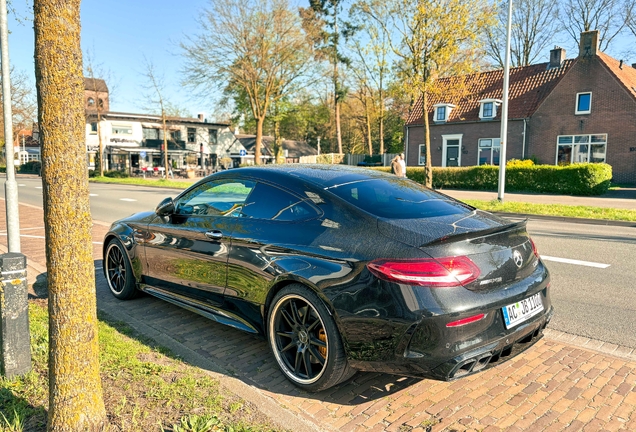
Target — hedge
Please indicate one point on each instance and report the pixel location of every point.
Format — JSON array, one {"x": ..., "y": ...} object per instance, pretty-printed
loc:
[{"x": 577, "y": 179}]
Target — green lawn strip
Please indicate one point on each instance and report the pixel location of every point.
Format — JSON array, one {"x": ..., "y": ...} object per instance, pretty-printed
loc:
[
  {"x": 555, "y": 210},
  {"x": 145, "y": 389},
  {"x": 143, "y": 182}
]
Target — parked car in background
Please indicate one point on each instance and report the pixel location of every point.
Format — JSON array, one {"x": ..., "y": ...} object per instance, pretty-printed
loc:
[{"x": 340, "y": 269}]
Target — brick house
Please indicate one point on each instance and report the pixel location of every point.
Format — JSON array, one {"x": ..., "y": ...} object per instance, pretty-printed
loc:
[{"x": 563, "y": 111}]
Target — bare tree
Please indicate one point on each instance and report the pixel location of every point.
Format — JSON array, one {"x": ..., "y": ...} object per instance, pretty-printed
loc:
[
  {"x": 535, "y": 24},
  {"x": 75, "y": 389},
  {"x": 609, "y": 17},
  {"x": 23, "y": 105},
  {"x": 155, "y": 89},
  {"x": 250, "y": 48}
]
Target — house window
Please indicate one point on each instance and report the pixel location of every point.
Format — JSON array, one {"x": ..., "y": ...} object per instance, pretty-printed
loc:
[
  {"x": 91, "y": 101},
  {"x": 150, "y": 133},
  {"x": 422, "y": 159},
  {"x": 442, "y": 112},
  {"x": 176, "y": 135},
  {"x": 213, "y": 136},
  {"x": 488, "y": 151},
  {"x": 581, "y": 148},
  {"x": 488, "y": 108},
  {"x": 122, "y": 129},
  {"x": 192, "y": 133},
  {"x": 93, "y": 128},
  {"x": 583, "y": 103}
]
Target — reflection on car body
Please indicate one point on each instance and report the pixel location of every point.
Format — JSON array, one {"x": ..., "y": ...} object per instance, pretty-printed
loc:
[{"x": 340, "y": 269}]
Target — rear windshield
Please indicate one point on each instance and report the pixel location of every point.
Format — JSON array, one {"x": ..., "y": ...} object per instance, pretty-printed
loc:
[{"x": 398, "y": 199}]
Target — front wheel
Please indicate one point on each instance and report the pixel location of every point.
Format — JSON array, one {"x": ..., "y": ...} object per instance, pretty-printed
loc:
[
  {"x": 305, "y": 340},
  {"x": 119, "y": 272}
]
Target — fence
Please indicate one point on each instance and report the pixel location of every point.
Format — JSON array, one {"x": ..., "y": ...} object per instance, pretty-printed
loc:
[
  {"x": 385, "y": 159},
  {"x": 327, "y": 158}
]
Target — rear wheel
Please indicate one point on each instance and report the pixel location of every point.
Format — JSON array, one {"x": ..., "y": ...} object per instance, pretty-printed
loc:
[
  {"x": 305, "y": 340},
  {"x": 118, "y": 271}
]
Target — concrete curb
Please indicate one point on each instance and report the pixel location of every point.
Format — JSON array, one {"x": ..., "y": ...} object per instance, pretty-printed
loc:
[{"x": 585, "y": 221}]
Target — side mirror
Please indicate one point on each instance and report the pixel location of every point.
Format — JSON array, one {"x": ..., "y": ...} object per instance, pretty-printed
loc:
[{"x": 165, "y": 207}]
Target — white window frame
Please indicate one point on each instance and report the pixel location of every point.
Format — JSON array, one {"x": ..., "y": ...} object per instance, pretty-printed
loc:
[
  {"x": 419, "y": 154},
  {"x": 589, "y": 145},
  {"x": 495, "y": 104},
  {"x": 492, "y": 146},
  {"x": 576, "y": 104},
  {"x": 447, "y": 106},
  {"x": 445, "y": 139}
]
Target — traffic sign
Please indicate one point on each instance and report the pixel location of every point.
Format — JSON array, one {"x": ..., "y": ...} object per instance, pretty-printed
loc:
[
  {"x": 242, "y": 152},
  {"x": 142, "y": 154}
]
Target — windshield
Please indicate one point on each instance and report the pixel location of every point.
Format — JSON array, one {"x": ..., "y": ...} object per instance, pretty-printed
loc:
[{"x": 398, "y": 199}]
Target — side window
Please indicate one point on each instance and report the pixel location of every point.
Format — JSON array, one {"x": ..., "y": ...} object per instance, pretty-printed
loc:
[
  {"x": 268, "y": 202},
  {"x": 215, "y": 198}
]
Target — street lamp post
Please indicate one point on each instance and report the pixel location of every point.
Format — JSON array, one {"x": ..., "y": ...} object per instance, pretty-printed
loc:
[{"x": 504, "y": 111}]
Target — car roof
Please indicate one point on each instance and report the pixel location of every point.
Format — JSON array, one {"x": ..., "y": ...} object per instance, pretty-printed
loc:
[{"x": 323, "y": 176}]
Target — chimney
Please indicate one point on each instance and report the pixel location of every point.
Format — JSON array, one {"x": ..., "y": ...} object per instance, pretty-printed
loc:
[
  {"x": 589, "y": 43},
  {"x": 201, "y": 117},
  {"x": 557, "y": 55}
]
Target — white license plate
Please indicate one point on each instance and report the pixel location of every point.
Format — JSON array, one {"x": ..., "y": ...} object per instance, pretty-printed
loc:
[{"x": 522, "y": 310}]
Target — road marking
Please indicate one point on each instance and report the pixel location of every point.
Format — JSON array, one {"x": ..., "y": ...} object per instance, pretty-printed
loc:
[
  {"x": 93, "y": 195},
  {"x": 38, "y": 187},
  {"x": 572, "y": 261},
  {"x": 21, "y": 184},
  {"x": 127, "y": 199},
  {"x": 39, "y": 237}
]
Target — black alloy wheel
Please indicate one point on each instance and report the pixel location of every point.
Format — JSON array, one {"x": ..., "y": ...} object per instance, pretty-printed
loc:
[
  {"x": 305, "y": 340},
  {"x": 118, "y": 271}
]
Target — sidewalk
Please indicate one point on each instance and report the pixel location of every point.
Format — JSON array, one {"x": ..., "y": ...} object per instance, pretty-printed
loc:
[{"x": 564, "y": 382}]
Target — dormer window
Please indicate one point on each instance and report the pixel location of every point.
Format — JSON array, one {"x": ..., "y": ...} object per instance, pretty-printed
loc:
[
  {"x": 442, "y": 112},
  {"x": 488, "y": 108}
]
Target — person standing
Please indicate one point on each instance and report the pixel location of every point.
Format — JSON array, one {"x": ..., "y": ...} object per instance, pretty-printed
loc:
[
  {"x": 396, "y": 167},
  {"x": 403, "y": 165}
]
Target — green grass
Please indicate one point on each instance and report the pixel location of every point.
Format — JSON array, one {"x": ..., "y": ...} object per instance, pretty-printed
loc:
[
  {"x": 145, "y": 389},
  {"x": 555, "y": 210},
  {"x": 144, "y": 182}
]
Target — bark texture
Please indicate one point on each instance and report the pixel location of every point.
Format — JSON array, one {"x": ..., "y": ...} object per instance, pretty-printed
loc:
[{"x": 75, "y": 390}]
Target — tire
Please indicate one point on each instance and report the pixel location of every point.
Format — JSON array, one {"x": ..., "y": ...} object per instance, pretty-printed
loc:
[
  {"x": 118, "y": 271},
  {"x": 305, "y": 340}
]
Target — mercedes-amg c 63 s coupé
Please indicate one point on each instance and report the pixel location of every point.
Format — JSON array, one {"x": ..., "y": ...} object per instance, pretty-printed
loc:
[{"x": 340, "y": 269}]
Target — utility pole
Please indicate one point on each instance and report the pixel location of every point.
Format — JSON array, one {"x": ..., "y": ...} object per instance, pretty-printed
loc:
[
  {"x": 504, "y": 111},
  {"x": 15, "y": 344}
]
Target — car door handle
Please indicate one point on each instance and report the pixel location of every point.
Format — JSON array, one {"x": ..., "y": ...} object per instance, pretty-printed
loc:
[{"x": 215, "y": 235}]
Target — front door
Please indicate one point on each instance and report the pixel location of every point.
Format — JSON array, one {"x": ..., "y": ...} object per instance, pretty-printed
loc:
[
  {"x": 187, "y": 253},
  {"x": 452, "y": 153}
]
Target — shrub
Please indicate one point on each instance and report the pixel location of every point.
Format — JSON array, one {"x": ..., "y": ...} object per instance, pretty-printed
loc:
[
  {"x": 116, "y": 174},
  {"x": 576, "y": 179},
  {"x": 30, "y": 167},
  {"x": 519, "y": 163}
]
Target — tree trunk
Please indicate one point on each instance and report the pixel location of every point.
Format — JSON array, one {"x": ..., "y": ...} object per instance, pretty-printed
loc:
[
  {"x": 368, "y": 126},
  {"x": 337, "y": 111},
  {"x": 427, "y": 141},
  {"x": 101, "y": 143},
  {"x": 75, "y": 390},
  {"x": 259, "y": 139}
]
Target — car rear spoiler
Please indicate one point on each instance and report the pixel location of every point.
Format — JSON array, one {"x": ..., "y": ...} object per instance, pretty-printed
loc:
[{"x": 514, "y": 226}]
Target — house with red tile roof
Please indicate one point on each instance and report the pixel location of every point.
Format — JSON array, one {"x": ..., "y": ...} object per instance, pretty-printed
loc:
[{"x": 560, "y": 112}]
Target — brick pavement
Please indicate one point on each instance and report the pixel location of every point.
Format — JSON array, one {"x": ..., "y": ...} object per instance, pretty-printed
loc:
[{"x": 563, "y": 383}]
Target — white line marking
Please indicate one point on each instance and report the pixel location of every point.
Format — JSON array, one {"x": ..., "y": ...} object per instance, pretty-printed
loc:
[
  {"x": 21, "y": 184},
  {"x": 127, "y": 199},
  {"x": 93, "y": 195},
  {"x": 576, "y": 262},
  {"x": 38, "y": 187},
  {"x": 99, "y": 268},
  {"x": 39, "y": 237}
]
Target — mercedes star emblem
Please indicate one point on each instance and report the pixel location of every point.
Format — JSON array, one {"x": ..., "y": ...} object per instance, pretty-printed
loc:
[{"x": 518, "y": 258}]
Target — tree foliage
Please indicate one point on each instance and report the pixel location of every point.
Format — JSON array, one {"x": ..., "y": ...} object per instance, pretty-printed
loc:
[
  {"x": 23, "y": 104},
  {"x": 251, "y": 48},
  {"x": 75, "y": 391},
  {"x": 431, "y": 39},
  {"x": 534, "y": 28}
]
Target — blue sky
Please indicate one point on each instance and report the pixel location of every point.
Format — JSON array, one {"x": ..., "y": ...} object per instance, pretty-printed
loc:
[{"x": 120, "y": 33}]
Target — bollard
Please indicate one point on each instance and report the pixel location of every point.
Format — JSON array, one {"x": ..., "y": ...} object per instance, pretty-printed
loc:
[{"x": 15, "y": 343}]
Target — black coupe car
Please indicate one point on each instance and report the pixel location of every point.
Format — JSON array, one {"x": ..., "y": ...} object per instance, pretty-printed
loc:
[{"x": 340, "y": 269}]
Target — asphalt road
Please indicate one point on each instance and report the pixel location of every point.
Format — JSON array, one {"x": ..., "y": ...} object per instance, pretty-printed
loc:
[{"x": 592, "y": 266}]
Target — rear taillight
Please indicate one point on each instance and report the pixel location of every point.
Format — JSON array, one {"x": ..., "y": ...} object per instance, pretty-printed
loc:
[
  {"x": 534, "y": 249},
  {"x": 438, "y": 272}
]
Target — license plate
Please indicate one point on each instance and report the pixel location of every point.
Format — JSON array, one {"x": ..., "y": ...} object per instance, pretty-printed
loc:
[{"x": 522, "y": 310}]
